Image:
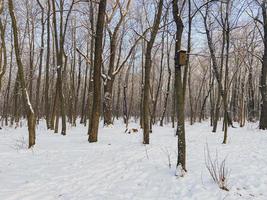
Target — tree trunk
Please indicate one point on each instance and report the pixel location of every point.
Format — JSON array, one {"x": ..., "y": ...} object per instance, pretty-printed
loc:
[
  {"x": 181, "y": 160},
  {"x": 118, "y": 96},
  {"x": 37, "y": 106},
  {"x": 107, "y": 107},
  {"x": 7, "y": 99},
  {"x": 26, "y": 99},
  {"x": 93, "y": 128},
  {"x": 83, "y": 108},
  {"x": 225, "y": 102},
  {"x": 148, "y": 63},
  {"x": 168, "y": 83},
  {"x": 47, "y": 108},
  {"x": 263, "y": 86},
  {"x": 3, "y": 52}
]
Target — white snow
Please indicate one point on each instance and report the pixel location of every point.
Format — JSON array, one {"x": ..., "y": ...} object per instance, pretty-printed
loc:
[
  {"x": 28, "y": 100},
  {"x": 180, "y": 172},
  {"x": 120, "y": 167}
]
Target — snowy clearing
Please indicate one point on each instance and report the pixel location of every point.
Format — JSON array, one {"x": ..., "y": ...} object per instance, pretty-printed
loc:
[{"x": 120, "y": 167}]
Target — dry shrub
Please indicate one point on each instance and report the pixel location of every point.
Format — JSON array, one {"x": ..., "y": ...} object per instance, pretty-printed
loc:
[{"x": 217, "y": 169}]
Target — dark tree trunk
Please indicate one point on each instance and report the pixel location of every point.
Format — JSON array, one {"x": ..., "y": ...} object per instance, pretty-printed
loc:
[
  {"x": 263, "y": 86},
  {"x": 168, "y": 83},
  {"x": 148, "y": 63},
  {"x": 107, "y": 107},
  {"x": 251, "y": 103},
  {"x": 118, "y": 97},
  {"x": 93, "y": 128},
  {"x": 7, "y": 101},
  {"x": 181, "y": 160},
  {"x": 47, "y": 108},
  {"x": 26, "y": 99},
  {"x": 37, "y": 106}
]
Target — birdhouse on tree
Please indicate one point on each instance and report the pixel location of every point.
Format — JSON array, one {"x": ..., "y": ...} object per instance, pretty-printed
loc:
[{"x": 181, "y": 57}]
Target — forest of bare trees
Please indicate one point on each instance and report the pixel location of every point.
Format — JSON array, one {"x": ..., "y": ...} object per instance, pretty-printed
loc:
[{"x": 150, "y": 61}]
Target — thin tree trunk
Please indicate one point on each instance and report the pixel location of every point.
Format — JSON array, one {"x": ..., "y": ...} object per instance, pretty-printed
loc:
[
  {"x": 153, "y": 121},
  {"x": 7, "y": 99},
  {"x": 118, "y": 96},
  {"x": 47, "y": 108},
  {"x": 168, "y": 82},
  {"x": 3, "y": 52},
  {"x": 181, "y": 158},
  {"x": 225, "y": 102},
  {"x": 37, "y": 106},
  {"x": 26, "y": 99},
  {"x": 83, "y": 108},
  {"x": 148, "y": 63}
]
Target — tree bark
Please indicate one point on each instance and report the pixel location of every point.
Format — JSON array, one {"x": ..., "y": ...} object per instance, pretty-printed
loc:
[
  {"x": 168, "y": 82},
  {"x": 263, "y": 86},
  {"x": 93, "y": 127},
  {"x": 37, "y": 106},
  {"x": 181, "y": 160},
  {"x": 26, "y": 99},
  {"x": 3, "y": 52},
  {"x": 148, "y": 63},
  {"x": 47, "y": 106}
]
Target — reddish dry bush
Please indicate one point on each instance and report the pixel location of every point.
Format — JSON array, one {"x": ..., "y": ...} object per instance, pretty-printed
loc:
[{"x": 217, "y": 169}]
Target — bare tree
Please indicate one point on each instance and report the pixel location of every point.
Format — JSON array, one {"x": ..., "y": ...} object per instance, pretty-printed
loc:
[
  {"x": 59, "y": 44},
  {"x": 3, "y": 51},
  {"x": 93, "y": 127},
  {"x": 26, "y": 99},
  {"x": 149, "y": 47},
  {"x": 181, "y": 160},
  {"x": 263, "y": 86},
  {"x": 47, "y": 65},
  {"x": 37, "y": 106}
]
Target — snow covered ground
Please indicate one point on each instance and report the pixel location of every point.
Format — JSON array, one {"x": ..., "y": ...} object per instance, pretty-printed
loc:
[{"x": 120, "y": 167}]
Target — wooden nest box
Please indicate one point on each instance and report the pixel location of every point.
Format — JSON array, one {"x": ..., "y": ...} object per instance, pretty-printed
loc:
[{"x": 182, "y": 57}]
